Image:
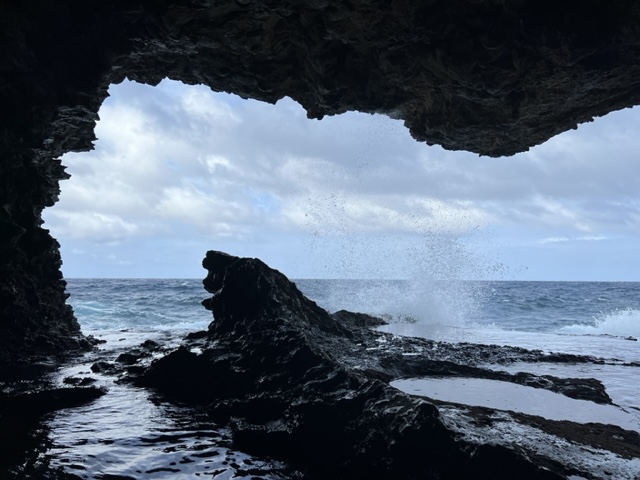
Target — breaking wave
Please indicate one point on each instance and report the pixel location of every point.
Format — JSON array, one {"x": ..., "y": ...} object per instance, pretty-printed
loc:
[{"x": 620, "y": 323}]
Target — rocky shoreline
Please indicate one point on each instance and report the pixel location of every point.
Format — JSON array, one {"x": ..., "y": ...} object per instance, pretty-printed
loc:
[
  {"x": 490, "y": 77},
  {"x": 289, "y": 381},
  {"x": 298, "y": 384}
]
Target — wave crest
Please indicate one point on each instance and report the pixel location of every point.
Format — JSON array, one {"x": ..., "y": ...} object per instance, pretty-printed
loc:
[{"x": 620, "y": 323}]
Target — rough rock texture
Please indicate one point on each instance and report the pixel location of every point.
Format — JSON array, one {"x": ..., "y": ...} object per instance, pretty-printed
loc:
[
  {"x": 489, "y": 76},
  {"x": 298, "y": 384}
]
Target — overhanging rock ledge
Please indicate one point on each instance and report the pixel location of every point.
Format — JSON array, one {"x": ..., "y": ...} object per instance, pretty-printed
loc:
[{"x": 489, "y": 76}]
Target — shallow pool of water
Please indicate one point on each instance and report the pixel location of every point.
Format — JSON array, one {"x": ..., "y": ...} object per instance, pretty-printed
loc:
[
  {"x": 129, "y": 433},
  {"x": 519, "y": 398}
]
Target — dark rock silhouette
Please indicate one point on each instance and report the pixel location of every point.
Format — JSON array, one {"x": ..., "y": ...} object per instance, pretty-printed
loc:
[
  {"x": 492, "y": 77},
  {"x": 487, "y": 76},
  {"x": 298, "y": 384}
]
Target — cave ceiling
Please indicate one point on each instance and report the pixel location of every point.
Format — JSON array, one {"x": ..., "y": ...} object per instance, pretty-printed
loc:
[
  {"x": 488, "y": 76},
  {"x": 494, "y": 77}
]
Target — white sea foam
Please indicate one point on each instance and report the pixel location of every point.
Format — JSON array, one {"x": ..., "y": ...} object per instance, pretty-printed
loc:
[
  {"x": 623, "y": 323},
  {"x": 423, "y": 300},
  {"x": 440, "y": 291}
]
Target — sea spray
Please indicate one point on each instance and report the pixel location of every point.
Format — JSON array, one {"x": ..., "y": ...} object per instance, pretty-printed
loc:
[
  {"x": 436, "y": 302},
  {"x": 443, "y": 289},
  {"x": 440, "y": 284}
]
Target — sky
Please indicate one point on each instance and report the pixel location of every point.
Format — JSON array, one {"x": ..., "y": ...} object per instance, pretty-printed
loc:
[{"x": 178, "y": 170}]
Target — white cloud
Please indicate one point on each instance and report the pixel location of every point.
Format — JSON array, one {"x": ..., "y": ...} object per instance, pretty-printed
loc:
[
  {"x": 585, "y": 238},
  {"x": 95, "y": 226},
  {"x": 341, "y": 213},
  {"x": 210, "y": 214},
  {"x": 593, "y": 238},
  {"x": 176, "y": 159},
  {"x": 199, "y": 103},
  {"x": 554, "y": 240}
]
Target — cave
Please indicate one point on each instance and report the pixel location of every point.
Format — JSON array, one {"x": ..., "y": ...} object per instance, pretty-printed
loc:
[{"x": 491, "y": 77}]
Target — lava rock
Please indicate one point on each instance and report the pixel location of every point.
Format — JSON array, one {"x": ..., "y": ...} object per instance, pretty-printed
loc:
[
  {"x": 269, "y": 369},
  {"x": 79, "y": 382},
  {"x": 489, "y": 77},
  {"x": 105, "y": 367},
  {"x": 133, "y": 356},
  {"x": 358, "y": 319},
  {"x": 50, "y": 400}
]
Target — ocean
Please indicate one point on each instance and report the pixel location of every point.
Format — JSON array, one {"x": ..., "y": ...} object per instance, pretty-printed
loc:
[
  {"x": 571, "y": 308},
  {"x": 128, "y": 433}
]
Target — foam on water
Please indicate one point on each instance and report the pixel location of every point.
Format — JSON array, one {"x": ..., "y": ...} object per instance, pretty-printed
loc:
[
  {"x": 438, "y": 268},
  {"x": 610, "y": 347},
  {"x": 623, "y": 323},
  {"x": 433, "y": 303},
  {"x": 439, "y": 291},
  {"x": 426, "y": 301}
]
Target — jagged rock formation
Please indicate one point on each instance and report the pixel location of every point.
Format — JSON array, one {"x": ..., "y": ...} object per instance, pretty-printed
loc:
[
  {"x": 489, "y": 76},
  {"x": 293, "y": 382}
]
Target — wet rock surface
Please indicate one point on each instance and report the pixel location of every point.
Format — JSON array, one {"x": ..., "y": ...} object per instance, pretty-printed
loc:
[
  {"x": 279, "y": 389},
  {"x": 295, "y": 383},
  {"x": 122, "y": 432}
]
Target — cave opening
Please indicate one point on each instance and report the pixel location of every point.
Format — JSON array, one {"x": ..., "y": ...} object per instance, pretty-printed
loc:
[
  {"x": 433, "y": 65},
  {"x": 178, "y": 170},
  {"x": 481, "y": 77}
]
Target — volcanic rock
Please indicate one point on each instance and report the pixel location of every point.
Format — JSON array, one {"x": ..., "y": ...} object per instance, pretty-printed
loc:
[
  {"x": 32, "y": 404},
  {"x": 492, "y": 77},
  {"x": 295, "y": 383}
]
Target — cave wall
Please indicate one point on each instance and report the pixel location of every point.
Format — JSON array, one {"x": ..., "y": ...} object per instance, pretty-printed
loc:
[{"x": 493, "y": 77}]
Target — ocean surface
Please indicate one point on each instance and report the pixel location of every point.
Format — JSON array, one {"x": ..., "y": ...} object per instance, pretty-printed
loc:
[
  {"x": 126, "y": 434},
  {"x": 579, "y": 308}
]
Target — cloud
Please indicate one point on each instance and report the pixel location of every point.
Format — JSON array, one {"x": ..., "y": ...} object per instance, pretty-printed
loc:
[
  {"x": 175, "y": 159},
  {"x": 114, "y": 260},
  {"x": 593, "y": 238},
  {"x": 187, "y": 156},
  {"x": 99, "y": 227},
  {"x": 585, "y": 238},
  {"x": 335, "y": 213},
  {"x": 554, "y": 240}
]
